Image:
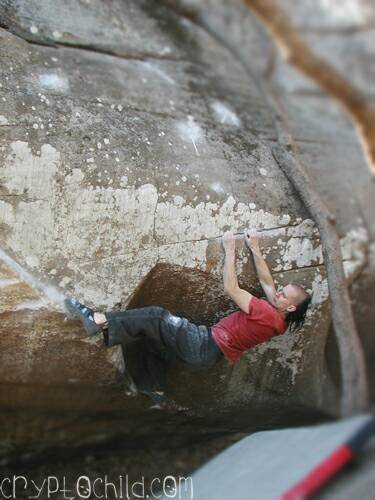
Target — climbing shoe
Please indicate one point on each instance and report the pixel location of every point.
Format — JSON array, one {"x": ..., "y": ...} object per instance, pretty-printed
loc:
[
  {"x": 158, "y": 397},
  {"x": 84, "y": 314}
]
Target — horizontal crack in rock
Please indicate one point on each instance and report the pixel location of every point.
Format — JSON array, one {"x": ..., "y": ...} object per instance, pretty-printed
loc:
[{"x": 141, "y": 56}]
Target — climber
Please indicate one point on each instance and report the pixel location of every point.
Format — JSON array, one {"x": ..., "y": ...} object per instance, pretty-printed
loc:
[{"x": 199, "y": 346}]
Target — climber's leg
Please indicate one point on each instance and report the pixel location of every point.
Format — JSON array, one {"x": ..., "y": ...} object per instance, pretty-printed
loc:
[
  {"x": 181, "y": 340},
  {"x": 192, "y": 344},
  {"x": 127, "y": 326}
]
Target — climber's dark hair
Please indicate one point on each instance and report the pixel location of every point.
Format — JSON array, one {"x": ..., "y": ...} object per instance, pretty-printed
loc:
[{"x": 296, "y": 318}]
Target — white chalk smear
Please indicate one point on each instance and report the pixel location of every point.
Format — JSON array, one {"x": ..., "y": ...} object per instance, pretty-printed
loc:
[
  {"x": 224, "y": 114},
  {"x": 346, "y": 11},
  {"x": 8, "y": 282},
  {"x": 33, "y": 305},
  {"x": 155, "y": 69},
  {"x": 190, "y": 132},
  {"x": 53, "y": 81},
  {"x": 50, "y": 292},
  {"x": 217, "y": 187}
]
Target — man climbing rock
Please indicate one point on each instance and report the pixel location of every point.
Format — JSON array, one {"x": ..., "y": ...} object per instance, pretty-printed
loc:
[{"x": 199, "y": 346}]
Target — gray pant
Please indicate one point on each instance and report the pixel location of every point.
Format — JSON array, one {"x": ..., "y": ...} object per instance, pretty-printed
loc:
[{"x": 177, "y": 339}]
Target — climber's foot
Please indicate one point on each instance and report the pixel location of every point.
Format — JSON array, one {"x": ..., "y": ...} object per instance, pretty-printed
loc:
[{"x": 84, "y": 314}]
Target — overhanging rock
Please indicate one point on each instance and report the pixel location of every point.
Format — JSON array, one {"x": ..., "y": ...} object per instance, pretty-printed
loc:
[{"x": 123, "y": 162}]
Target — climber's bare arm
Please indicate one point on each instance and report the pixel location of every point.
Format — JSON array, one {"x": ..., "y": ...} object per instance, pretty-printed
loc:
[
  {"x": 241, "y": 297},
  {"x": 264, "y": 274}
]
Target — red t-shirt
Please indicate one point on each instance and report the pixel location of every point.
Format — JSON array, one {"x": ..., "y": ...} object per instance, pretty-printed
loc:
[{"x": 239, "y": 331}]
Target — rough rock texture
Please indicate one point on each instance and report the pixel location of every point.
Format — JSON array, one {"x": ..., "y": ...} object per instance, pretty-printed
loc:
[
  {"x": 129, "y": 144},
  {"x": 326, "y": 142}
]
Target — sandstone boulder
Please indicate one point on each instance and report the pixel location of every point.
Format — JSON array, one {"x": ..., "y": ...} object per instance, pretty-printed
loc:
[{"x": 131, "y": 140}]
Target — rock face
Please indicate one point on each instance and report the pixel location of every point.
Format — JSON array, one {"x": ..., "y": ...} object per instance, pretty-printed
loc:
[
  {"x": 130, "y": 142},
  {"x": 325, "y": 138}
]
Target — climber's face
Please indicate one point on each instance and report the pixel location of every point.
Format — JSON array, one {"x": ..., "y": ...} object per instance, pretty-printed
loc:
[{"x": 287, "y": 298}]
